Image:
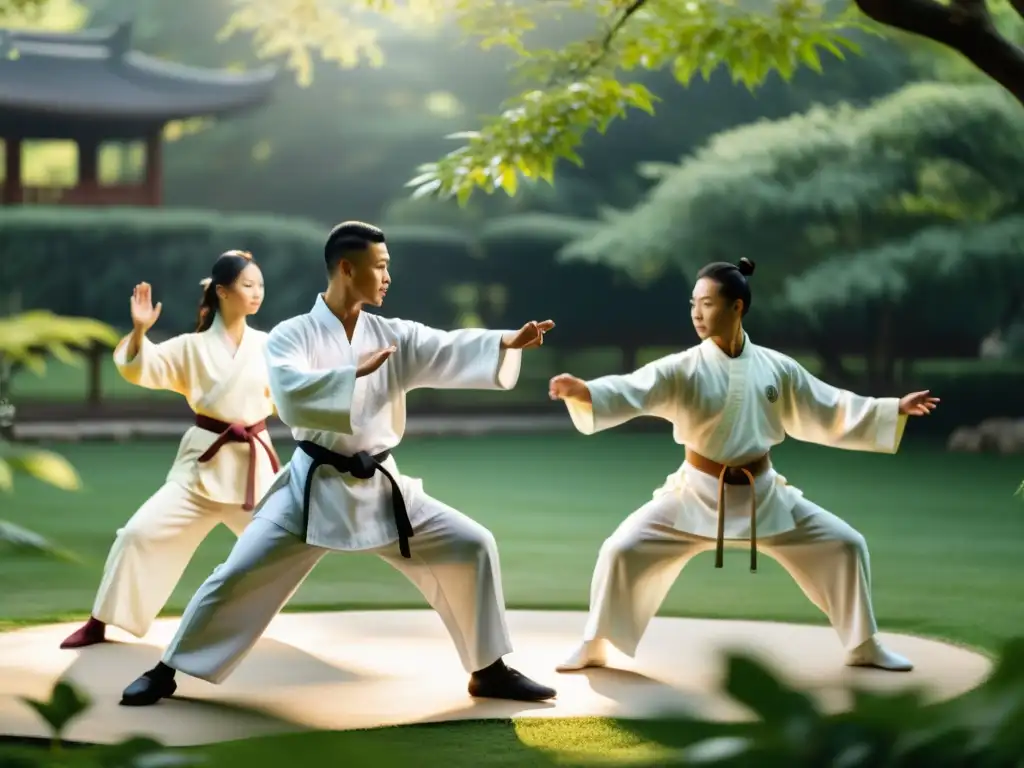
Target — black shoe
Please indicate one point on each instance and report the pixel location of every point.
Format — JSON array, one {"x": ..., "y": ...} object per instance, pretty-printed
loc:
[
  {"x": 148, "y": 689},
  {"x": 501, "y": 682}
]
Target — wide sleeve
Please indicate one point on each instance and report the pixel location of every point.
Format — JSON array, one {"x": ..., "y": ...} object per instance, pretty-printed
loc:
[
  {"x": 816, "y": 412},
  {"x": 307, "y": 398},
  {"x": 652, "y": 390},
  {"x": 156, "y": 366},
  {"x": 469, "y": 358}
]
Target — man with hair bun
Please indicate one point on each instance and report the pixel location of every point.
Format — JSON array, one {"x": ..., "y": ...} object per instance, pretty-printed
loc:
[
  {"x": 729, "y": 402},
  {"x": 339, "y": 378}
]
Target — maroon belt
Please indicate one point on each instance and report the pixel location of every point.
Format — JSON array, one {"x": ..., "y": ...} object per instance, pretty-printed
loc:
[{"x": 239, "y": 433}]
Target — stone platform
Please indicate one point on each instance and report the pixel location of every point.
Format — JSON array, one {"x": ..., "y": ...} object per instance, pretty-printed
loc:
[{"x": 368, "y": 669}]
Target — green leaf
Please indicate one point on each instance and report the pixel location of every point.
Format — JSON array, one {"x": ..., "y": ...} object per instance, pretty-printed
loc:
[
  {"x": 809, "y": 55},
  {"x": 832, "y": 48},
  {"x": 641, "y": 98},
  {"x": 752, "y": 684},
  {"x": 61, "y": 351},
  {"x": 169, "y": 759},
  {"x": 35, "y": 362},
  {"x": 427, "y": 189},
  {"x": 848, "y": 44},
  {"x": 47, "y": 466},
  {"x": 888, "y": 710},
  {"x": 509, "y": 181},
  {"x": 728, "y": 750},
  {"x": 26, "y": 541},
  {"x": 141, "y": 752},
  {"x": 464, "y": 135},
  {"x": 65, "y": 704},
  {"x": 24, "y": 337},
  {"x": 6, "y": 476}
]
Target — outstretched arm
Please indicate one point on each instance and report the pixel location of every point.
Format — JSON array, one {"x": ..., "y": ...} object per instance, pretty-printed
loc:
[
  {"x": 609, "y": 401},
  {"x": 817, "y": 412},
  {"x": 307, "y": 398},
  {"x": 470, "y": 358},
  {"x": 149, "y": 365}
]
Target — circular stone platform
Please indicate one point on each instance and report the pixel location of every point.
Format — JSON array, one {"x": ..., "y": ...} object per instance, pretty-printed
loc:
[{"x": 365, "y": 669}]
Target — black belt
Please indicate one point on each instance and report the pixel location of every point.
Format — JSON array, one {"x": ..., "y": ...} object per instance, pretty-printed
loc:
[{"x": 361, "y": 465}]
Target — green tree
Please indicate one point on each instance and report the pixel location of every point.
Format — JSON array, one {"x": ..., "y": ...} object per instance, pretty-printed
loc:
[
  {"x": 950, "y": 283},
  {"x": 839, "y": 181}
]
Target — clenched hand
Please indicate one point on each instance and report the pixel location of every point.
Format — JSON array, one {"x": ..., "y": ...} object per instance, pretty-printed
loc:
[{"x": 565, "y": 386}]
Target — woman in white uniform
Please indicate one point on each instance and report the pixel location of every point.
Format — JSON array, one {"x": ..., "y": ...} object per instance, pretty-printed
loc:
[{"x": 225, "y": 460}]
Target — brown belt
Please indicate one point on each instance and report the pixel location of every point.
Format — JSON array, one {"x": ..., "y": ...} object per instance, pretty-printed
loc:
[
  {"x": 239, "y": 433},
  {"x": 732, "y": 475}
]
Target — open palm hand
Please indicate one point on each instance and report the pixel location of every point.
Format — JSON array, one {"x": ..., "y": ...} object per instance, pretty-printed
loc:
[
  {"x": 918, "y": 403},
  {"x": 144, "y": 314}
]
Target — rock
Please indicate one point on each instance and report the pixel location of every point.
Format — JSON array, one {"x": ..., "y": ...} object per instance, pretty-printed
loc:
[
  {"x": 964, "y": 440},
  {"x": 999, "y": 435}
]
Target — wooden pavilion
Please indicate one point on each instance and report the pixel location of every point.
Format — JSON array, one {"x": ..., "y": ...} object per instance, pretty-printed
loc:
[{"x": 91, "y": 88}]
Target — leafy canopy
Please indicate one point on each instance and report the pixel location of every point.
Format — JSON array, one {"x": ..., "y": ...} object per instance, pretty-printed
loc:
[
  {"x": 585, "y": 84},
  {"x": 589, "y": 83},
  {"x": 834, "y": 179}
]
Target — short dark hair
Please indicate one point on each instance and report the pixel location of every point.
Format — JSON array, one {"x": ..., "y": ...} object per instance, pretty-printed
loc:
[
  {"x": 348, "y": 238},
  {"x": 731, "y": 279}
]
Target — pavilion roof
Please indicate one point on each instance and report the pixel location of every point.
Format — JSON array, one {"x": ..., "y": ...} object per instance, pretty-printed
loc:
[{"x": 94, "y": 75}]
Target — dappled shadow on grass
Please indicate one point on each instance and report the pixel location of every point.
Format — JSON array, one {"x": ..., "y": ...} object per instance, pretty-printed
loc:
[
  {"x": 635, "y": 689},
  {"x": 522, "y": 743}
]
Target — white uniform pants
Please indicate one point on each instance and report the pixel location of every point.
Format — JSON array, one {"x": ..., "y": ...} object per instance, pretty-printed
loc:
[
  {"x": 641, "y": 560},
  {"x": 152, "y": 551},
  {"x": 454, "y": 564}
]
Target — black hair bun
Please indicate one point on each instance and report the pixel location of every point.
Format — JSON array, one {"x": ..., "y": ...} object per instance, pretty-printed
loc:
[{"x": 746, "y": 267}]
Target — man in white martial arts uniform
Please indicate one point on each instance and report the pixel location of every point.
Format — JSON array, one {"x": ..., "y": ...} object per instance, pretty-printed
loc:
[
  {"x": 339, "y": 377},
  {"x": 729, "y": 402}
]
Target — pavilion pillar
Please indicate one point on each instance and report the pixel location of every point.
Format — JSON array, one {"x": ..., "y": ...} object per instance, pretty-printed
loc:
[
  {"x": 154, "y": 167},
  {"x": 12, "y": 192},
  {"x": 88, "y": 163}
]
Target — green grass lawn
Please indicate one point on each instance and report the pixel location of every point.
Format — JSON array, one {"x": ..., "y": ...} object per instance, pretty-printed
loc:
[{"x": 945, "y": 533}]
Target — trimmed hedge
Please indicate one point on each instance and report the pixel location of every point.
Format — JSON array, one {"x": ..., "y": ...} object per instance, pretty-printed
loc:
[{"x": 85, "y": 261}]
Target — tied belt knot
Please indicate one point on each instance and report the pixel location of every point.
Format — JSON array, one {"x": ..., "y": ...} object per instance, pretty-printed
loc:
[
  {"x": 239, "y": 433},
  {"x": 362, "y": 466},
  {"x": 742, "y": 474}
]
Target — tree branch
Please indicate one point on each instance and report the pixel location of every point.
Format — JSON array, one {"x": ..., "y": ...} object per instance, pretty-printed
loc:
[
  {"x": 965, "y": 26},
  {"x": 604, "y": 47},
  {"x": 633, "y": 7},
  {"x": 606, "y": 43}
]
